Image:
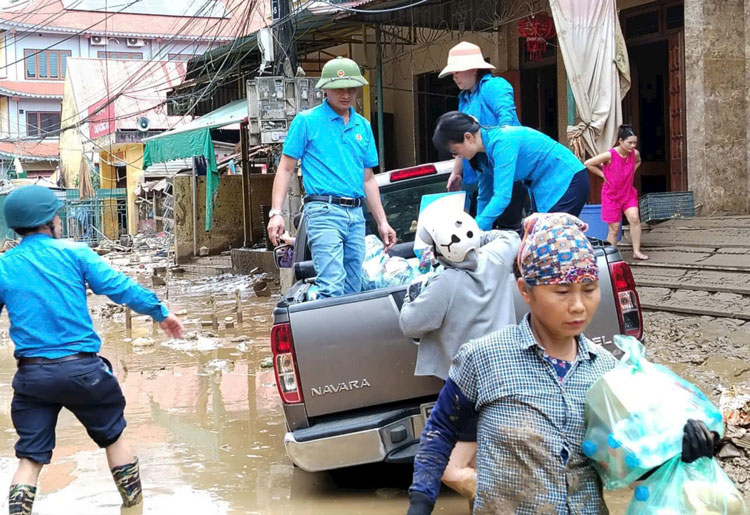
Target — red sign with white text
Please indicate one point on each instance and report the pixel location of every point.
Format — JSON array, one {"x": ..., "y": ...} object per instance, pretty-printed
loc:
[{"x": 101, "y": 119}]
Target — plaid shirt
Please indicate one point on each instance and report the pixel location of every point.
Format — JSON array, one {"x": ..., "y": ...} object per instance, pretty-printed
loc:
[{"x": 530, "y": 427}]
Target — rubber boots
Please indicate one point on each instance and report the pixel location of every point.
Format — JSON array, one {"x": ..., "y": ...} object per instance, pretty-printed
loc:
[
  {"x": 21, "y": 499},
  {"x": 128, "y": 481}
]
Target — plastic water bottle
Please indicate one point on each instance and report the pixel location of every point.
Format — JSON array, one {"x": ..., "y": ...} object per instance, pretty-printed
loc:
[{"x": 641, "y": 493}]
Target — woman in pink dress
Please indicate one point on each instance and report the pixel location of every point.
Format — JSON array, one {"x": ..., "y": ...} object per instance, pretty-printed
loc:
[{"x": 617, "y": 167}]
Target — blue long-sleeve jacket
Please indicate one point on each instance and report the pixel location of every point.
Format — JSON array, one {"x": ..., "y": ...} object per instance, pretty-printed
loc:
[
  {"x": 493, "y": 104},
  {"x": 522, "y": 154},
  {"x": 450, "y": 413},
  {"x": 43, "y": 286}
]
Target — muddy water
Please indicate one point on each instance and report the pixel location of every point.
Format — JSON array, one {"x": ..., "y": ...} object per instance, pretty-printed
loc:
[{"x": 203, "y": 416}]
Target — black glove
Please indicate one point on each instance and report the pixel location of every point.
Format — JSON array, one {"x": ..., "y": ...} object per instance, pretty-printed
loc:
[
  {"x": 419, "y": 504},
  {"x": 698, "y": 441}
]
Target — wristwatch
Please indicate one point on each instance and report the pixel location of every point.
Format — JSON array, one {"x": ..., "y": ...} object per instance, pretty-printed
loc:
[{"x": 274, "y": 212}]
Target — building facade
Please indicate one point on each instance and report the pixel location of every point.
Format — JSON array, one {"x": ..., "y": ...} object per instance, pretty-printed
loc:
[
  {"x": 38, "y": 37},
  {"x": 689, "y": 100}
]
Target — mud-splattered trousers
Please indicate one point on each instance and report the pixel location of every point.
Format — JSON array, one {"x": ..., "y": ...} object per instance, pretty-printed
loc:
[{"x": 530, "y": 429}]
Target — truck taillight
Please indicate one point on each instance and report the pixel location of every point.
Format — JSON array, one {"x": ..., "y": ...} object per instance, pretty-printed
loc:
[
  {"x": 287, "y": 379},
  {"x": 414, "y": 171},
  {"x": 627, "y": 302}
]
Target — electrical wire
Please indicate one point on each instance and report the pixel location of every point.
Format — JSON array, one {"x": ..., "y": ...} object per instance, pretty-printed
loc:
[
  {"x": 144, "y": 70},
  {"x": 370, "y": 11}
]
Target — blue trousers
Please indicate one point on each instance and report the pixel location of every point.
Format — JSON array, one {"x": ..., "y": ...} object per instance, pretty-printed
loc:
[
  {"x": 336, "y": 236},
  {"x": 85, "y": 386}
]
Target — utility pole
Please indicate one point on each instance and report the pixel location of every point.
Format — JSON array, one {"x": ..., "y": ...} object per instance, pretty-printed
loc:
[
  {"x": 379, "y": 73},
  {"x": 284, "y": 46}
]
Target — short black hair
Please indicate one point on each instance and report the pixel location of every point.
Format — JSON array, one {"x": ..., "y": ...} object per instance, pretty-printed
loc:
[
  {"x": 624, "y": 131},
  {"x": 482, "y": 72},
  {"x": 25, "y": 231},
  {"x": 451, "y": 128}
]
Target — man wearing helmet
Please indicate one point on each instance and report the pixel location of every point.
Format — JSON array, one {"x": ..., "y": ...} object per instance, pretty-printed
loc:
[
  {"x": 472, "y": 297},
  {"x": 43, "y": 285},
  {"x": 337, "y": 152}
]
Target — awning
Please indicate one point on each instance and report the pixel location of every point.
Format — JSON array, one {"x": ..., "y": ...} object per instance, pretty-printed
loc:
[{"x": 194, "y": 139}]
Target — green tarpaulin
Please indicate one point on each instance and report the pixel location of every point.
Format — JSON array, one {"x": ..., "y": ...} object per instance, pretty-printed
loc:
[{"x": 194, "y": 139}]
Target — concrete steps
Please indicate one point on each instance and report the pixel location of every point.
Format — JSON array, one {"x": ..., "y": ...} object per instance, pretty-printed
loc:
[{"x": 698, "y": 266}]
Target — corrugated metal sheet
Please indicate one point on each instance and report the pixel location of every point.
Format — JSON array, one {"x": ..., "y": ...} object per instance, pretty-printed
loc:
[
  {"x": 140, "y": 89},
  {"x": 169, "y": 168}
]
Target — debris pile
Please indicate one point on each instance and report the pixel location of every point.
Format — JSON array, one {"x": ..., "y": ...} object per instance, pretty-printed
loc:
[
  {"x": 109, "y": 311},
  {"x": 735, "y": 451},
  {"x": 7, "y": 245}
]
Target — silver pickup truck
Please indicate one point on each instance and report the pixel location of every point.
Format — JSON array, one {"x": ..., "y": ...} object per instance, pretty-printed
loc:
[{"x": 344, "y": 370}]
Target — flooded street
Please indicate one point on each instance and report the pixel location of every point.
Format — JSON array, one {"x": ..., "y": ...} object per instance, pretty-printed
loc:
[{"x": 204, "y": 418}]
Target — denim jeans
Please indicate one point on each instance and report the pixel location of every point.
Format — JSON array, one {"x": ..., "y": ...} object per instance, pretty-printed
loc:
[{"x": 336, "y": 236}]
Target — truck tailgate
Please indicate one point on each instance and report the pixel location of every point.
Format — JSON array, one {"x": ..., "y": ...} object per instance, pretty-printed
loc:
[{"x": 351, "y": 353}]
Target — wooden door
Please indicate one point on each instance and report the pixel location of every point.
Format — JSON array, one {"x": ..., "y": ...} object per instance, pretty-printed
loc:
[{"x": 677, "y": 161}]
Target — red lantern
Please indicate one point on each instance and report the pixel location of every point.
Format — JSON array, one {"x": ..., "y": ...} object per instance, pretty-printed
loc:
[{"x": 537, "y": 29}]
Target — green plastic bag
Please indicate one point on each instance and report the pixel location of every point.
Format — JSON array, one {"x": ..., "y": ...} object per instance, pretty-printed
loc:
[
  {"x": 635, "y": 415},
  {"x": 677, "y": 488}
]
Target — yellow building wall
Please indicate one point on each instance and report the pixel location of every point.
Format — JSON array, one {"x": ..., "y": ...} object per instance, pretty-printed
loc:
[
  {"x": 71, "y": 141},
  {"x": 130, "y": 155},
  {"x": 108, "y": 173},
  {"x": 134, "y": 158},
  {"x": 4, "y": 116}
]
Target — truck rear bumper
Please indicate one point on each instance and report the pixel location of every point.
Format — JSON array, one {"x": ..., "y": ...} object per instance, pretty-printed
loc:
[{"x": 355, "y": 441}]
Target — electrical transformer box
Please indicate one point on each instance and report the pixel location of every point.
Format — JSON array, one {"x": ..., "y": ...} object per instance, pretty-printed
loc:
[{"x": 274, "y": 101}]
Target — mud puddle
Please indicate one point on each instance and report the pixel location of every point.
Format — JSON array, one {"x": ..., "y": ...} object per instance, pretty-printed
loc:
[{"x": 204, "y": 418}]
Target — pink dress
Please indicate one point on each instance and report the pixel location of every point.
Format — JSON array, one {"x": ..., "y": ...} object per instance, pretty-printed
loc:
[{"x": 618, "y": 193}]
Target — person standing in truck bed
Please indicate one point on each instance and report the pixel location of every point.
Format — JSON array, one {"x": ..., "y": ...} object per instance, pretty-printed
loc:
[
  {"x": 337, "y": 152},
  {"x": 43, "y": 285},
  {"x": 472, "y": 297}
]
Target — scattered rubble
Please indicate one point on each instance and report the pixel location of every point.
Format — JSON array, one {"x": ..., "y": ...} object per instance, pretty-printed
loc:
[
  {"x": 735, "y": 407},
  {"x": 711, "y": 353},
  {"x": 109, "y": 311},
  {"x": 194, "y": 341},
  {"x": 143, "y": 341},
  {"x": 7, "y": 245}
]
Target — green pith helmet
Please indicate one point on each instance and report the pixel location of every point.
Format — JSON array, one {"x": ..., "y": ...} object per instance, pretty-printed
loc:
[
  {"x": 30, "y": 206},
  {"x": 341, "y": 73}
]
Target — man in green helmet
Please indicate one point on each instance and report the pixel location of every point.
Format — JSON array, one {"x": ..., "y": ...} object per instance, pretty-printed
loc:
[
  {"x": 43, "y": 284},
  {"x": 337, "y": 152}
]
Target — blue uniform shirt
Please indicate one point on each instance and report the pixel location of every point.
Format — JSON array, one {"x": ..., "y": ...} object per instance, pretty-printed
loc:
[
  {"x": 43, "y": 285},
  {"x": 522, "y": 154},
  {"x": 492, "y": 103},
  {"x": 334, "y": 156}
]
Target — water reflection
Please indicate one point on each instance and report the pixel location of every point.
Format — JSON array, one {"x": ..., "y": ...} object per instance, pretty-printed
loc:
[{"x": 206, "y": 424}]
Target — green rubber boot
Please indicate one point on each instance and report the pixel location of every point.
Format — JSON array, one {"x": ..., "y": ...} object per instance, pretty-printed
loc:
[
  {"x": 128, "y": 481},
  {"x": 21, "y": 499}
]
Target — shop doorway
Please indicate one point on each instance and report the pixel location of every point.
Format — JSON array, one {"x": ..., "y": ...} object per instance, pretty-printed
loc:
[
  {"x": 539, "y": 90},
  {"x": 655, "y": 104},
  {"x": 539, "y": 99},
  {"x": 434, "y": 97}
]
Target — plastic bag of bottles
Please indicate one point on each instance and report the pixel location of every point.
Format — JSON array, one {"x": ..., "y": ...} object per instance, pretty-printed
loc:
[
  {"x": 380, "y": 270},
  {"x": 635, "y": 415},
  {"x": 372, "y": 267},
  {"x": 678, "y": 488}
]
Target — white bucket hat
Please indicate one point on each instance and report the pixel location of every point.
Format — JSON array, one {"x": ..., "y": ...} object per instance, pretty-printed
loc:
[{"x": 465, "y": 56}]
